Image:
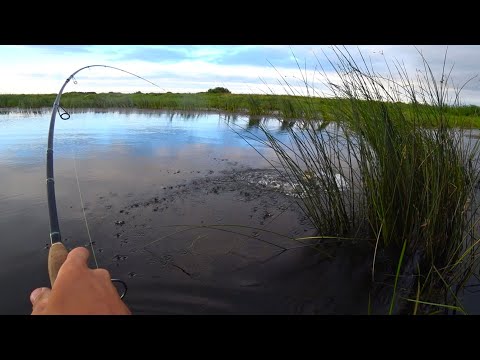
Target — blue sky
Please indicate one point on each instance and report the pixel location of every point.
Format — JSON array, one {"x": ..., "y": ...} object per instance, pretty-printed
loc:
[{"x": 240, "y": 68}]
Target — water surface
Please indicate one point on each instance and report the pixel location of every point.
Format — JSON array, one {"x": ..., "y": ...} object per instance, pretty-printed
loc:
[
  {"x": 153, "y": 173},
  {"x": 162, "y": 191}
]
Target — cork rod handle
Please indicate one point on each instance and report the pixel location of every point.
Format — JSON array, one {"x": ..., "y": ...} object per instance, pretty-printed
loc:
[{"x": 56, "y": 257}]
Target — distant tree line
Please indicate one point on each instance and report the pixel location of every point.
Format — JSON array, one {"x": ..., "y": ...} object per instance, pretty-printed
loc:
[{"x": 219, "y": 90}]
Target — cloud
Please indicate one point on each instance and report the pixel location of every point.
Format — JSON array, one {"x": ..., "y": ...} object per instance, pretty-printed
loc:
[
  {"x": 156, "y": 54},
  {"x": 61, "y": 49},
  {"x": 193, "y": 68},
  {"x": 256, "y": 55}
]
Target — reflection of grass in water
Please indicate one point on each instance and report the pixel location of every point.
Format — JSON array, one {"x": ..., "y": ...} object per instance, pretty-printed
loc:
[
  {"x": 253, "y": 122},
  {"x": 411, "y": 177},
  {"x": 284, "y": 106}
]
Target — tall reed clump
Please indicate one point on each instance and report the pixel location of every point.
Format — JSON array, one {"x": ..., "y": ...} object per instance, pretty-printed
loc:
[
  {"x": 394, "y": 170},
  {"x": 418, "y": 171}
]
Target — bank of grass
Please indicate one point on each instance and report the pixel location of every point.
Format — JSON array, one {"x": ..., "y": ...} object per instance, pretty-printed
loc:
[
  {"x": 400, "y": 177},
  {"x": 283, "y": 106}
]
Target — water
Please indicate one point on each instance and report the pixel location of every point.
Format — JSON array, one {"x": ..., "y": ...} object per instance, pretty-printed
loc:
[
  {"x": 143, "y": 176},
  {"x": 147, "y": 178}
]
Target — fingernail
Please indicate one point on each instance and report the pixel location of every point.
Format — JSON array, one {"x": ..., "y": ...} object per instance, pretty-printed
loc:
[{"x": 35, "y": 293}]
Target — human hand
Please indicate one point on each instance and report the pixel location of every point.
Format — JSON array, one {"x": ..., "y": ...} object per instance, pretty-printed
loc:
[{"x": 79, "y": 290}]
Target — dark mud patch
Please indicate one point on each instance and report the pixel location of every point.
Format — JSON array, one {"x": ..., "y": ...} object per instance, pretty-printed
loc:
[{"x": 224, "y": 244}]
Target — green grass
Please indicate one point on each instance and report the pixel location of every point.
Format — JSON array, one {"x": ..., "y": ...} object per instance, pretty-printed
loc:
[
  {"x": 409, "y": 173},
  {"x": 410, "y": 177},
  {"x": 283, "y": 106}
]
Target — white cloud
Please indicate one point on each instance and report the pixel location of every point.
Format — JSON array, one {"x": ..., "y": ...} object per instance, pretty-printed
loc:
[{"x": 25, "y": 69}]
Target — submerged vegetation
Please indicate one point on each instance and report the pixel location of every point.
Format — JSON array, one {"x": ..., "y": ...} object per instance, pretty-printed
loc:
[{"x": 400, "y": 178}]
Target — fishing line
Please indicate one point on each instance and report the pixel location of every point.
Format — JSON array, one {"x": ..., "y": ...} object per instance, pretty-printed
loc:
[
  {"x": 65, "y": 116},
  {"x": 57, "y": 256},
  {"x": 125, "y": 287},
  {"x": 83, "y": 210}
]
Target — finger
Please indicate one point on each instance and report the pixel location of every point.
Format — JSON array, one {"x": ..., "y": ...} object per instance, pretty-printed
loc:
[
  {"x": 34, "y": 296},
  {"x": 78, "y": 255},
  {"x": 39, "y": 299},
  {"x": 103, "y": 274}
]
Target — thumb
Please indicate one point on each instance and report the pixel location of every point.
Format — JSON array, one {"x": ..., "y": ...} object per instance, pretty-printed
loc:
[{"x": 39, "y": 299}]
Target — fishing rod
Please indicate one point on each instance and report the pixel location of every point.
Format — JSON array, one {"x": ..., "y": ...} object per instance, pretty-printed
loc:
[{"x": 58, "y": 253}]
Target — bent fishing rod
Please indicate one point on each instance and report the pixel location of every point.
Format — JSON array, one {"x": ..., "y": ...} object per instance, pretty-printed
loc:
[{"x": 58, "y": 253}]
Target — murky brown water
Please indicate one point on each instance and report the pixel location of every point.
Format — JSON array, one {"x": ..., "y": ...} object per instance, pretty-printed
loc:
[{"x": 162, "y": 193}]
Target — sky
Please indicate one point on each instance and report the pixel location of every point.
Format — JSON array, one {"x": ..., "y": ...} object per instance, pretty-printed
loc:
[{"x": 251, "y": 69}]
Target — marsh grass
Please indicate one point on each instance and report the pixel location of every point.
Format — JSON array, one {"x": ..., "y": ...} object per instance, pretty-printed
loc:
[
  {"x": 395, "y": 171},
  {"x": 286, "y": 107}
]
